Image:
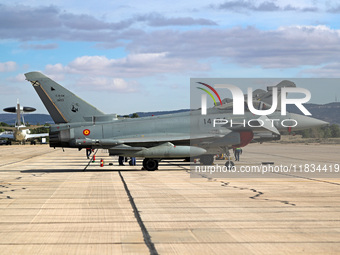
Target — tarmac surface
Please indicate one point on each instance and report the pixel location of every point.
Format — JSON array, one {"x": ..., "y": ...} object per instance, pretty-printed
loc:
[{"x": 49, "y": 205}]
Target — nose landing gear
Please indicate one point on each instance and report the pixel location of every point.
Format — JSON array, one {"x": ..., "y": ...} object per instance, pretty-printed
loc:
[{"x": 229, "y": 164}]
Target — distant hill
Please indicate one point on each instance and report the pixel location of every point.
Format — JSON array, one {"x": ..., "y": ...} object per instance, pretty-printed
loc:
[
  {"x": 146, "y": 114},
  {"x": 327, "y": 112}
]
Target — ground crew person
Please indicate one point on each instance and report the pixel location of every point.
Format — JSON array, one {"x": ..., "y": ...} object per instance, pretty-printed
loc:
[
  {"x": 88, "y": 152},
  {"x": 132, "y": 162},
  {"x": 237, "y": 153},
  {"x": 121, "y": 160}
]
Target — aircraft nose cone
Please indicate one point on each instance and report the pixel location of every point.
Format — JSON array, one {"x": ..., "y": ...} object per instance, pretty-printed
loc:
[{"x": 305, "y": 122}]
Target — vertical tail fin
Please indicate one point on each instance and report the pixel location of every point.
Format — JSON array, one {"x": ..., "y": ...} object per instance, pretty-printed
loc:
[{"x": 63, "y": 105}]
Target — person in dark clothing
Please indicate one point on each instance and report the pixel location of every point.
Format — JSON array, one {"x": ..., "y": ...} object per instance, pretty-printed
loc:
[
  {"x": 88, "y": 152},
  {"x": 132, "y": 162},
  {"x": 237, "y": 153},
  {"x": 121, "y": 160}
]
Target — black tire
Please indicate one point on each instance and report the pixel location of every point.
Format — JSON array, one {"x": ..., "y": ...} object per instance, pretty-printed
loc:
[
  {"x": 229, "y": 164},
  {"x": 150, "y": 164},
  {"x": 207, "y": 159}
]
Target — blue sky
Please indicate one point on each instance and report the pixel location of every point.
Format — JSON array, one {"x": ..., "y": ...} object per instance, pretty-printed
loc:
[{"x": 130, "y": 56}]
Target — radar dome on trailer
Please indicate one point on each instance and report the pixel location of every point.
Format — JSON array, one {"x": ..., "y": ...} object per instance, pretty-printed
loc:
[{"x": 22, "y": 109}]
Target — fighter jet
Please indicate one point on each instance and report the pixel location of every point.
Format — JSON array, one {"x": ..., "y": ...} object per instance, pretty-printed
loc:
[
  {"x": 20, "y": 132},
  {"x": 262, "y": 100},
  {"x": 183, "y": 135}
]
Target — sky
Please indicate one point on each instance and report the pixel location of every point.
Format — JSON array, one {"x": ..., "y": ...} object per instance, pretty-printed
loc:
[{"x": 132, "y": 56}]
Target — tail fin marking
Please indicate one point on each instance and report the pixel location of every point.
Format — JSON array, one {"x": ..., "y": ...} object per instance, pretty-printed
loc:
[{"x": 63, "y": 105}]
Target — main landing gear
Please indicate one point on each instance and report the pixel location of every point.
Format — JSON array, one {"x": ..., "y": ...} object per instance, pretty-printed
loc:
[
  {"x": 150, "y": 164},
  {"x": 229, "y": 164}
]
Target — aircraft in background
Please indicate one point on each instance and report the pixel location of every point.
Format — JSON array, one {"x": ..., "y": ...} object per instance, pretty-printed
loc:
[
  {"x": 20, "y": 132},
  {"x": 182, "y": 135}
]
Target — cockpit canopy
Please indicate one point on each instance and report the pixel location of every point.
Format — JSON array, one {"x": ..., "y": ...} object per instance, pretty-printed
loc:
[{"x": 228, "y": 105}]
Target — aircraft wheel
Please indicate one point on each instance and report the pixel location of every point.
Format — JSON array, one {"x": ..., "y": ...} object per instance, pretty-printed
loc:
[
  {"x": 207, "y": 159},
  {"x": 229, "y": 164},
  {"x": 150, "y": 164}
]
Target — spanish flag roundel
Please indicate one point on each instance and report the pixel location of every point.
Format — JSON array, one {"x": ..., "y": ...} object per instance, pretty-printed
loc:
[{"x": 86, "y": 132}]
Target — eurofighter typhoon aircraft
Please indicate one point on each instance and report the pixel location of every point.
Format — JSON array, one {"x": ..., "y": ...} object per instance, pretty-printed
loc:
[{"x": 183, "y": 135}]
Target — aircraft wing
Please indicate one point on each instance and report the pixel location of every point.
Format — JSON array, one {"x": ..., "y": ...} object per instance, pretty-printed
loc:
[
  {"x": 161, "y": 138},
  {"x": 31, "y": 127},
  {"x": 164, "y": 138},
  {"x": 162, "y": 144},
  {"x": 151, "y": 139},
  {"x": 7, "y": 135},
  {"x": 8, "y": 128},
  {"x": 28, "y": 136},
  {"x": 141, "y": 142}
]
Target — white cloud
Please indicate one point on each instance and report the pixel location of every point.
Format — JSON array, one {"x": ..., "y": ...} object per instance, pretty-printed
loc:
[
  {"x": 285, "y": 47},
  {"x": 331, "y": 70},
  {"x": 51, "y": 22},
  {"x": 108, "y": 84},
  {"x": 55, "y": 72},
  {"x": 9, "y": 66},
  {"x": 265, "y": 6},
  {"x": 18, "y": 78},
  {"x": 134, "y": 65},
  {"x": 118, "y": 75},
  {"x": 49, "y": 46},
  {"x": 191, "y": 52},
  {"x": 157, "y": 20}
]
